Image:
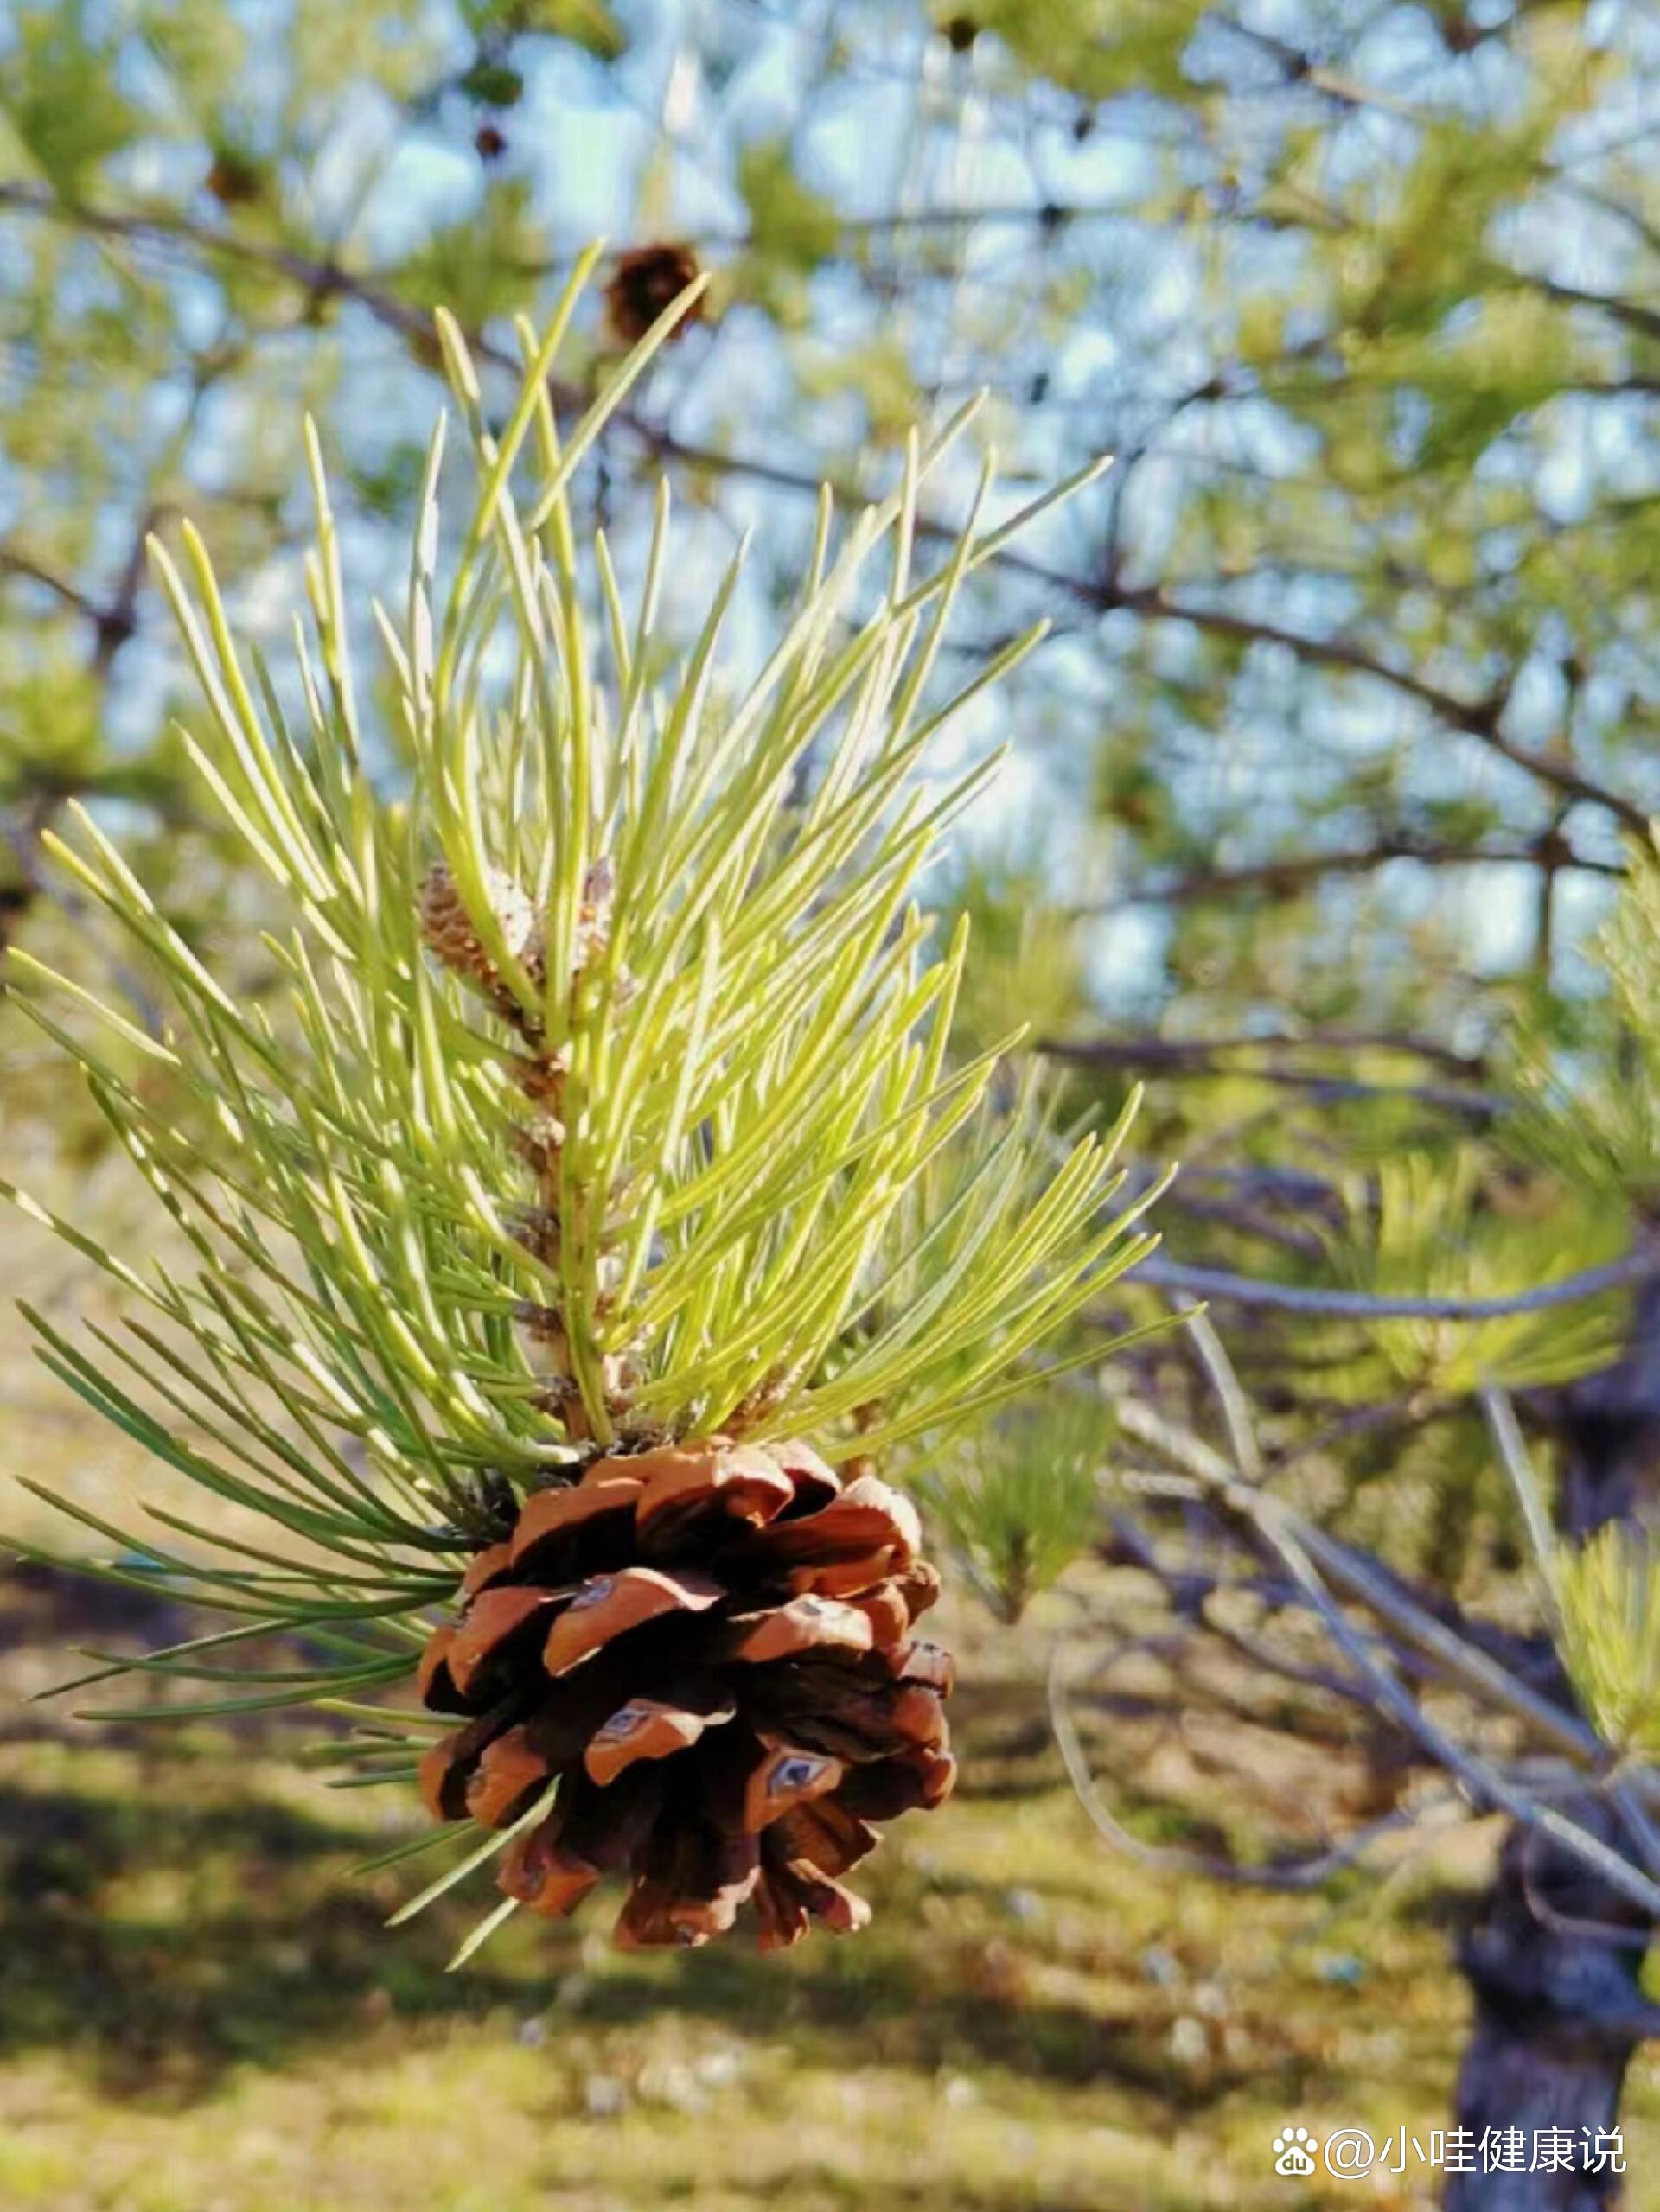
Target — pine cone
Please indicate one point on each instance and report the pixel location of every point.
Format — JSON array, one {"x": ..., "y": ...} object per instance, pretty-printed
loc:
[
  {"x": 647, "y": 280},
  {"x": 709, "y": 1645},
  {"x": 447, "y": 928}
]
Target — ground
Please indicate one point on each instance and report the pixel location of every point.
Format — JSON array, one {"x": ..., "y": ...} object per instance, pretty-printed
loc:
[{"x": 201, "y": 2010}]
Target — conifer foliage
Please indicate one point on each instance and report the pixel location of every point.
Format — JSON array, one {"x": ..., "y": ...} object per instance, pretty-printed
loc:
[{"x": 562, "y": 1268}]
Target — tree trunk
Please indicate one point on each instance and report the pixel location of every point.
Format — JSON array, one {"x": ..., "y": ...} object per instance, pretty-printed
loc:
[
  {"x": 1555, "y": 1957},
  {"x": 1555, "y": 1961}
]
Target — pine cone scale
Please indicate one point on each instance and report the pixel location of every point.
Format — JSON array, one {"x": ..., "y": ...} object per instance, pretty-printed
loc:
[
  {"x": 446, "y": 1769},
  {"x": 574, "y": 1532},
  {"x": 610, "y": 1605},
  {"x": 647, "y": 1728},
  {"x": 805, "y": 1624},
  {"x": 499, "y": 1623},
  {"x": 507, "y": 1778}
]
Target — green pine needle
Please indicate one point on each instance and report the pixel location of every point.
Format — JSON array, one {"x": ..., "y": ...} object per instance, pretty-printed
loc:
[{"x": 1607, "y": 1593}]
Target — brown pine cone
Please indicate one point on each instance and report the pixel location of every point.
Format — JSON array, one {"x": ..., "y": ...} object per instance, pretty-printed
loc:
[
  {"x": 645, "y": 280},
  {"x": 709, "y": 1646}
]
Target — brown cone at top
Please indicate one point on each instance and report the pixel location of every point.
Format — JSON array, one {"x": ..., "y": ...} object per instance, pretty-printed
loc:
[
  {"x": 704, "y": 1653},
  {"x": 645, "y": 280}
]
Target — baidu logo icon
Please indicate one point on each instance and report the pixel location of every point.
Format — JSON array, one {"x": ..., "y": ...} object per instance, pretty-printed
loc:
[{"x": 1293, "y": 2152}]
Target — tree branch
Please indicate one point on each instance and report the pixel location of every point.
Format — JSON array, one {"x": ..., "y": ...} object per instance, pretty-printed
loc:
[
  {"x": 1111, "y": 1052},
  {"x": 1151, "y": 1051},
  {"x": 1291, "y": 872},
  {"x": 1477, "y": 718},
  {"x": 1640, "y": 1265},
  {"x": 14, "y": 561},
  {"x": 326, "y": 279}
]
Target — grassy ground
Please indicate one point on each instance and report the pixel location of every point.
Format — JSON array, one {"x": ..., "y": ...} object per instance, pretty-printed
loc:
[{"x": 201, "y": 2011}]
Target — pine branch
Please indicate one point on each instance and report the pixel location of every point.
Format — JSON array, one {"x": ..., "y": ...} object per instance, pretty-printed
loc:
[{"x": 609, "y": 1097}]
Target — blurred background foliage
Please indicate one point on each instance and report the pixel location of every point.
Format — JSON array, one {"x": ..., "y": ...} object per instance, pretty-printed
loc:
[{"x": 1316, "y": 800}]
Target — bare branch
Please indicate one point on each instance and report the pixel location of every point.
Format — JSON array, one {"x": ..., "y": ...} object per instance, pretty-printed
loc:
[
  {"x": 1641, "y": 1265},
  {"x": 1112, "y": 1052},
  {"x": 1292, "y": 871},
  {"x": 1304, "y": 1873},
  {"x": 14, "y": 561}
]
